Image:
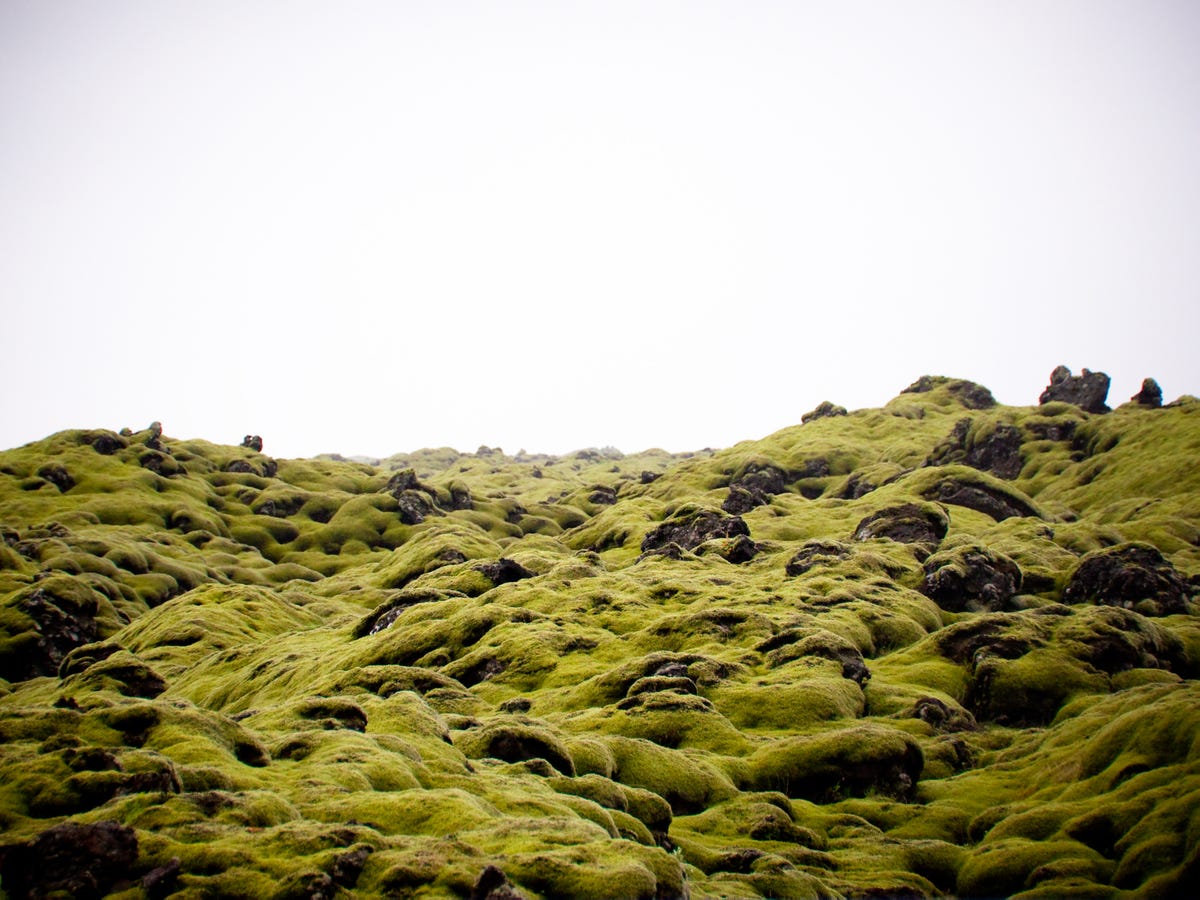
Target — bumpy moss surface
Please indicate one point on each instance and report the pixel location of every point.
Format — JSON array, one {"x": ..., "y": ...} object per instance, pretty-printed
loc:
[{"x": 945, "y": 647}]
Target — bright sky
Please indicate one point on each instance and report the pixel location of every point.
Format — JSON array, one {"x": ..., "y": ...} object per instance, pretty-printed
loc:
[{"x": 370, "y": 227}]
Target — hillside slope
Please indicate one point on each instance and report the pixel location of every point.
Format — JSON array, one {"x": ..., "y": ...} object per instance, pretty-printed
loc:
[{"x": 944, "y": 647}]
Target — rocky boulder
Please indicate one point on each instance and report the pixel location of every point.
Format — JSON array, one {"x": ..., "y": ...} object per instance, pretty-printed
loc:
[
  {"x": 1088, "y": 390},
  {"x": 968, "y": 393},
  {"x": 755, "y": 488},
  {"x": 71, "y": 860},
  {"x": 504, "y": 571},
  {"x": 691, "y": 527},
  {"x": 996, "y": 450},
  {"x": 922, "y": 525},
  {"x": 1149, "y": 396},
  {"x": 996, "y": 501},
  {"x": 1131, "y": 576},
  {"x": 824, "y": 410},
  {"x": 64, "y": 617},
  {"x": 970, "y": 579},
  {"x": 816, "y": 553},
  {"x": 58, "y": 476}
]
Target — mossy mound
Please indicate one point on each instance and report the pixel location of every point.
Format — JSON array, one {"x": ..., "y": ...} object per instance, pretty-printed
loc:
[{"x": 945, "y": 647}]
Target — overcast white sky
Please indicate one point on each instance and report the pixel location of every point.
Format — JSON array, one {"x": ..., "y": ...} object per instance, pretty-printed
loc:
[{"x": 369, "y": 227}]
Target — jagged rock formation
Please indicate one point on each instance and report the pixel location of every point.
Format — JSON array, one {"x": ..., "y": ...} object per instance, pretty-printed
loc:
[
  {"x": 945, "y": 647},
  {"x": 1150, "y": 395},
  {"x": 1088, "y": 390}
]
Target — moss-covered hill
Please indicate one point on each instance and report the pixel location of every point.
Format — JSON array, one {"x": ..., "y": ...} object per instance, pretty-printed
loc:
[{"x": 942, "y": 647}]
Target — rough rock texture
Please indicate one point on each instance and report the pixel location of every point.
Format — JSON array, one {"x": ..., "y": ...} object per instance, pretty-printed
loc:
[
  {"x": 981, "y": 497},
  {"x": 83, "y": 861},
  {"x": 690, "y": 529},
  {"x": 816, "y": 553},
  {"x": 1150, "y": 395},
  {"x": 755, "y": 488},
  {"x": 968, "y": 393},
  {"x": 823, "y": 410},
  {"x": 1087, "y": 390},
  {"x": 923, "y": 525},
  {"x": 1132, "y": 577},
  {"x": 998, "y": 450},
  {"x": 971, "y": 578},
  {"x": 59, "y": 626}
]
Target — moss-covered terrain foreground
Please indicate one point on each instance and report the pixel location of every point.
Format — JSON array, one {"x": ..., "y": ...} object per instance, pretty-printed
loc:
[{"x": 945, "y": 647}]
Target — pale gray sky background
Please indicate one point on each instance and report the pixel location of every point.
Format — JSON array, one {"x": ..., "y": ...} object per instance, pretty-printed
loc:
[{"x": 369, "y": 227}]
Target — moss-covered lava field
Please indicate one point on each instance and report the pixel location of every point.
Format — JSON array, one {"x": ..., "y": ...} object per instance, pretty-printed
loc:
[{"x": 941, "y": 648}]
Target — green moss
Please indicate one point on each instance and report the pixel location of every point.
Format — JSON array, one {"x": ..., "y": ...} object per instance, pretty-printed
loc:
[{"x": 284, "y": 667}]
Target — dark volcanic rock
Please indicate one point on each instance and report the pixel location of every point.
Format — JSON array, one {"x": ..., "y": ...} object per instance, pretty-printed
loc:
[
  {"x": 413, "y": 507},
  {"x": 414, "y": 500},
  {"x": 58, "y": 476},
  {"x": 504, "y": 570},
  {"x": 824, "y": 410},
  {"x": 998, "y": 634},
  {"x": 982, "y": 498},
  {"x": 923, "y": 526},
  {"x": 404, "y": 480},
  {"x": 602, "y": 495},
  {"x": 516, "y": 744},
  {"x": 1133, "y": 576},
  {"x": 997, "y": 451},
  {"x": 1088, "y": 390},
  {"x": 160, "y": 882},
  {"x": 387, "y": 613},
  {"x": 492, "y": 884},
  {"x": 740, "y": 550},
  {"x": 943, "y": 717},
  {"x": 106, "y": 443},
  {"x": 460, "y": 497},
  {"x": 349, "y": 865},
  {"x": 968, "y": 393},
  {"x": 692, "y": 527},
  {"x": 755, "y": 488},
  {"x": 60, "y": 626},
  {"x": 970, "y": 579},
  {"x": 79, "y": 861},
  {"x": 856, "y": 486},
  {"x": 280, "y": 507},
  {"x": 1150, "y": 395},
  {"x": 816, "y": 553},
  {"x": 254, "y": 442}
]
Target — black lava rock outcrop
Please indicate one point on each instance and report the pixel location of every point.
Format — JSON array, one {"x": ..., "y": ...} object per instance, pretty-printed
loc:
[
  {"x": 58, "y": 476},
  {"x": 996, "y": 450},
  {"x": 1150, "y": 395},
  {"x": 505, "y": 571},
  {"x": 990, "y": 500},
  {"x": 816, "y": 553},
  {"x": 968, "y": 393},
  {"x": 755, "y": 488},
  {"x": 690, "y": 528},
  {"x": 1135, "y": 576},
  {"x": 923, "y": 526},
  {"x": 61, "y": 623},
  {"x": 824, "y": 410},
  {"x": 1088, "y": 390},
  {"x": 70, "y": 860},
  {"x": 971, "y": 578}
]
